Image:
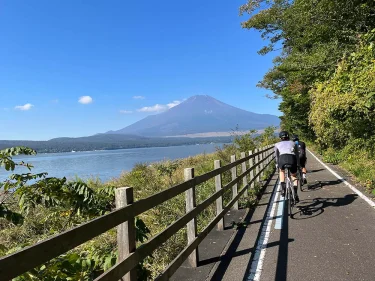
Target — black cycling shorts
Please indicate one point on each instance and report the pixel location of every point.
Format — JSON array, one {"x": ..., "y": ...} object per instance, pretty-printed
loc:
[
  {"x": 288, "y": 159},
  {"x": 302, "y": 162}
]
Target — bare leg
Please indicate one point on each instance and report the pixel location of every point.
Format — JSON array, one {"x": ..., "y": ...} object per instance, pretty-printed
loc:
[
  {"x": 295, "y": 186},
  {"x": 282, "y": 182},
  {"x": 282, "y": 175},
  {"x": 304, "y": 171},
  {"x": 294, "y": 179}
]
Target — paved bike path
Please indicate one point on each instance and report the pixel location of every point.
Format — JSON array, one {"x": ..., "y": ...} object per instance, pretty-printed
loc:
[{"x": 330, "y": 237}]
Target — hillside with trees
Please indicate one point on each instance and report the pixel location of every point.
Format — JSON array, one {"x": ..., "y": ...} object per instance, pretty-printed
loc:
[
  {"x": 324, "y": 74},
  {"x": 107, "y": 142}
]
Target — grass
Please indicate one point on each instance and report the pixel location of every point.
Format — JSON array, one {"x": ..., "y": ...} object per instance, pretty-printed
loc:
[
  {"x": 149, "y": 179},
  {"x": 355, "y": 160}
]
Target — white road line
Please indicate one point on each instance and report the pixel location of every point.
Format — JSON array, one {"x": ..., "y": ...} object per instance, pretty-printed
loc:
[
  {"x": 280, "y": 209},
  {"x": 360, "y": 194},
  {"x": 260, "y": 252}
]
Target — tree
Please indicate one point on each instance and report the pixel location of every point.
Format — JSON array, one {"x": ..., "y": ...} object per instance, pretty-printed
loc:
[
  {"x": 312, "y": 37},
  {"x": 343, "y": 107}
]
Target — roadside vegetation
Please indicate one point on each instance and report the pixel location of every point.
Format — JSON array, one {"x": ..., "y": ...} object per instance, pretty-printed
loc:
[
  {"x": 324, "y": 73},
  {"x": 34, "y": 207}
]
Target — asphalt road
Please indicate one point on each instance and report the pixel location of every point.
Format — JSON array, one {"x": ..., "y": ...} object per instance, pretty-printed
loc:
[{"x": 331, "y": 236}]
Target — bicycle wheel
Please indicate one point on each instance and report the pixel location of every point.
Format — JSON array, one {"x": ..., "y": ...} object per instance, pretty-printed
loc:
[
  {"x": 290, "y": 194},
  {"x": 300, "y": 182},
  {"x": 291, "y": 199}
]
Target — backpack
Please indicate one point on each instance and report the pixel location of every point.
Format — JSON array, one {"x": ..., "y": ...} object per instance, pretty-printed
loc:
[{"x": 301, "y": 150}]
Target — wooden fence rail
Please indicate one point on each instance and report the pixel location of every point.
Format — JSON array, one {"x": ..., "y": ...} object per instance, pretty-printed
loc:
[{"x": 28, "y": 258}]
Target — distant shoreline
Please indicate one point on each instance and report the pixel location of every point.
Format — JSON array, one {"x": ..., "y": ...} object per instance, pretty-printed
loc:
[
  {"x": 216, "y": 134},
  {"x": 54, "y": 150}
]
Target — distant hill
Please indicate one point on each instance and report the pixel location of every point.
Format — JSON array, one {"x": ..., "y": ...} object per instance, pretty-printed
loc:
[
  {"x": 107, "y": 142},
  {"x": 100, "y": 138},
  {"x": 199, "y": 114}
]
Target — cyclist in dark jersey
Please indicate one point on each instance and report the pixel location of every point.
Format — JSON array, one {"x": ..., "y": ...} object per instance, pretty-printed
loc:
[
  {"x": 285, "y": 151},
  {"x": 302, "y": 156}
]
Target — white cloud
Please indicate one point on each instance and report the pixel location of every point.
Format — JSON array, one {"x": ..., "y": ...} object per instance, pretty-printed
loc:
[
  {"x": 126, "y": 111},
  {"x": 85, "y": 100},
  {"x": 27, "y": 106},
  {"x": 173, "y": 103},
  {"x": 159, "y": 107},
  {"x": 139, "y": 97},
  {"x": 55, "y": 101},
  {"x": 154, "y": 108}
]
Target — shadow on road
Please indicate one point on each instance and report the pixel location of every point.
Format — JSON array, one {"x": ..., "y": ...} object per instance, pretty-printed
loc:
[
  {"x": 315, "y": 207},
  {"x": 232, "y": 252},
  {"x": 319, "y": 184},
  {"x": 309, "y": 209},
  {"x": 304, "y": 210},
  {"x": 315, "y": 171},
  {"x": 282, "y": 257}
]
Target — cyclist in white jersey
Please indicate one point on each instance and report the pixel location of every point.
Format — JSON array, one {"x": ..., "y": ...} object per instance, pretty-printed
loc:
[{"x": 285, "y": 151}]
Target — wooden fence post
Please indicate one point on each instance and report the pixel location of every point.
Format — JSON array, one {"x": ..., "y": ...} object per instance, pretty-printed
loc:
[
  {"x": 191, "y": 225},
  {"x": 261, "y": 157},
  {"x": 244, "y": 179},
  {"x": 270, "y": 154},
  {"x": 126, "y": 242},
  {"x": 219, "y": 201},
  {"x": 257, "y": 167},
  {"x": 251, "y": 164},
  {"x": 234, "y": 176}
]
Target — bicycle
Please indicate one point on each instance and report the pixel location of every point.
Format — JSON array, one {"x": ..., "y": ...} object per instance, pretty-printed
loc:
[{"x": 290, "y": 195}]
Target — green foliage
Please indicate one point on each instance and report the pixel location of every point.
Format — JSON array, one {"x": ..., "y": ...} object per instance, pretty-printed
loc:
[
  {"x": 324, "y": 73},
  {"x": 249, "y": 141},
  {"x": 343, "y": 107},
  {"x": 6, "y": 157},
  {"x": 332, "y": 156},
  {"x": 268, "y": 137},
  {"x": 167, "y": 169},
  {"x": 34, "y": 206},
  {"x": 354, "y": 158},
  {"x": 245, "y": 142},
  {"x": 312, "y": 36}
]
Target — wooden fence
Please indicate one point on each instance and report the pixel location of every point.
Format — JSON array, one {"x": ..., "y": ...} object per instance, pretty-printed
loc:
[{"x": 123, "y": 217}]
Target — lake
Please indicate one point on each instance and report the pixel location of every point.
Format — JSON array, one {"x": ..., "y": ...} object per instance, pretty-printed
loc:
[{"x": 105, "y": 164}]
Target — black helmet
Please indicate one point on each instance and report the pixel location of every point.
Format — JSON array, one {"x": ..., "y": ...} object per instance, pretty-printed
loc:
[
  {"x": 295, "y": 138},
  {"x": 284, "y": 135}
]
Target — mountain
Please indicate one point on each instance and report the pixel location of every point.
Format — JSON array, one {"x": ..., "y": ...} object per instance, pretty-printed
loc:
[{"x": 199, "y": 114}]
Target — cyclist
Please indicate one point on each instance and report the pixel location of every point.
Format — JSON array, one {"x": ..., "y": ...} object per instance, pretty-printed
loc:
[
  {"x": 285, "y": 151},
  {"x": 302, "y": 156}
]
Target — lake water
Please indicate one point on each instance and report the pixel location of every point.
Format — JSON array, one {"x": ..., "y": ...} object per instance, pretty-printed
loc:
[{"x": 104, "y": 164}]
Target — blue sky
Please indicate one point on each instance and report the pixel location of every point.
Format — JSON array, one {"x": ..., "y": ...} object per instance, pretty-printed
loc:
[{"x": 122, "y": 58}]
